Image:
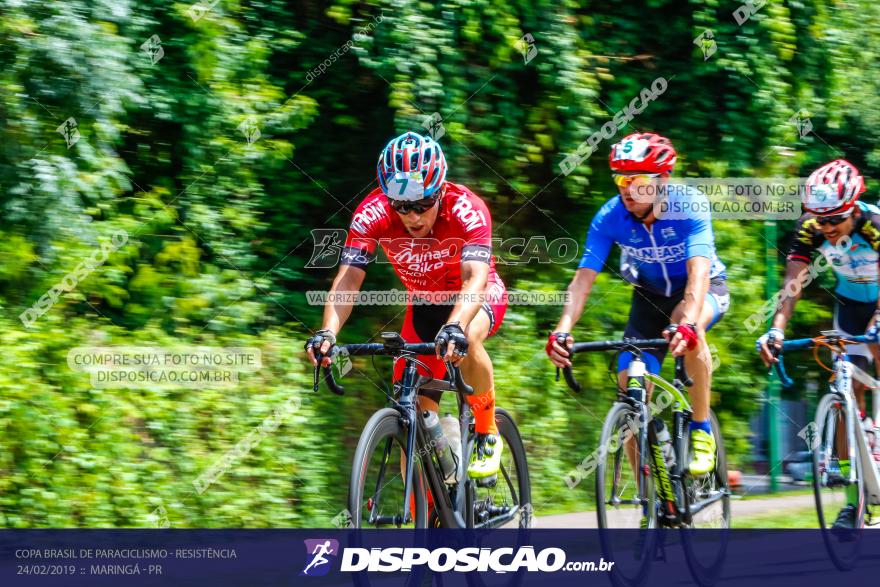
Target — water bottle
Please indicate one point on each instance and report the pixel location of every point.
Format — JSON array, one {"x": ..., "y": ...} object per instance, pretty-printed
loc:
[
  {"x": 452, "y": 432},
  {"x": 665, "y": 443},
  {"x": 436, "y": 439}
]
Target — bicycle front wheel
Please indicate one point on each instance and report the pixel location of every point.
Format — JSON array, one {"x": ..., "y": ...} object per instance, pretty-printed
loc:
[
  {"x": 376, "y": 491},
  {"x": 831, "y": 480},
  {"x": 625, "y": 499}
]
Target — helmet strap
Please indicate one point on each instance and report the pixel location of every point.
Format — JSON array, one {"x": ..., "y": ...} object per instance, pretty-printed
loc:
[{"x": 643, "y": 216}]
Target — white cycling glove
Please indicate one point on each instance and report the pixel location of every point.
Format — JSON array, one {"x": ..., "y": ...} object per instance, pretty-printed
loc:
[{"x": 774, "y": 333}]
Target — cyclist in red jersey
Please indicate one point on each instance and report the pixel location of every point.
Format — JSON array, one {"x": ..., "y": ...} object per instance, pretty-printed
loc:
[{"x": 438, "y": 237}]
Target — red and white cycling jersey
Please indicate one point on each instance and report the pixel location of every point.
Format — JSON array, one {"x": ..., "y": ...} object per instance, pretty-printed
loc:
[{"x": 462, "y": 232}]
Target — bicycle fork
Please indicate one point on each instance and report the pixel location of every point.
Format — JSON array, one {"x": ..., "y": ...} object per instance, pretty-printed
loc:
[
  {"x": 409, "y": 405},
  {"x": 844, "y": 386}
]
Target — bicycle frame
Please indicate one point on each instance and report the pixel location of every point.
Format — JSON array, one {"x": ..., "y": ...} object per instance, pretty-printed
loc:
[
  {"x": 842, "y": 388},
  {"x": 450, "y": 504},
  {"x": 668, "y": 482},
  {"x": 675, "y": 509},
  {"x": 450, "y": 512}
]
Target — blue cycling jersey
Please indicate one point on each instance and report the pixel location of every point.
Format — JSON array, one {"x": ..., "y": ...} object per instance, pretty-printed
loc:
[{"x": 652, "y": 256}]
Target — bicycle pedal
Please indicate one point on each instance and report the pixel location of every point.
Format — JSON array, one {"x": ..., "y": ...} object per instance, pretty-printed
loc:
[{"x": 490, "y": 481}]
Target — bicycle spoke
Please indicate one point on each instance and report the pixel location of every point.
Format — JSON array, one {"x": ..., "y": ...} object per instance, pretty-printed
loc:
[
  {"x": 499, "y": 504},
  {"x": 386, "y": 454},
  {"x": 376, "y": 494},
  {"x": 831, "y": 482}
]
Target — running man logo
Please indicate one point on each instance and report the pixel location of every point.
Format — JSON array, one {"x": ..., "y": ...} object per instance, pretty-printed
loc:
[
  {"x": 318, "y": 552},
  {"x": 327, "y": 246}
]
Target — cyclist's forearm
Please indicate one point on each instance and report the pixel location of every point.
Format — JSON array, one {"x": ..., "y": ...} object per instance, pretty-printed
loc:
[
  {"x": 335, "y": 315},
  {"x": 337, "y": 311},
  {"x": 474, "y": 279},
  {"x": 795, "y": 272},
  {"x": 578, "y": 293},
  {"x": 696, "y": 289}
]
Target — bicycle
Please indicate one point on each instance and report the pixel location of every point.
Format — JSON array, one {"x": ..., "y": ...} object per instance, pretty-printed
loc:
[
  {"x": 458, "y": 500},
  {"x": 829, "y": 442},
  {"x": 665, "y": 494}
]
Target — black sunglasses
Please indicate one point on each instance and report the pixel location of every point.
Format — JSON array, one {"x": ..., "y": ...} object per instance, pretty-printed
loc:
[
  {"x": 419, "y": 206},
  {"x": 832, "y": 220}
]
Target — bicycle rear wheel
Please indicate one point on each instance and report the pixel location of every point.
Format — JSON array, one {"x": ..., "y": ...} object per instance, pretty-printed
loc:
[
  {"x": 376, "y": 491},
  {"x": 830, "y": 485},
  {"x": 507, "y": 504},
  {"x": 620, "y": 502},
  {"x": 707, "y": 500}
]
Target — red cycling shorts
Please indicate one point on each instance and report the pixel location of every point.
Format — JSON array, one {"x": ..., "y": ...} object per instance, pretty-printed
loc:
[{"x": 423, "y": 322}]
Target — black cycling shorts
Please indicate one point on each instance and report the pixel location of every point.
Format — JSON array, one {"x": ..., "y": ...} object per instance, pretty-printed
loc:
[
  {"x": 852, "y": 318},
  {"x": 421, "y": 324},
  {"x": 650, "y": 314}
]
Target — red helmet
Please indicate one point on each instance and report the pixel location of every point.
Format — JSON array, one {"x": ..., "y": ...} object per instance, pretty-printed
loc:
[
  {"x": 643, "y": 151},
  {"x": 834, "y": 188}
]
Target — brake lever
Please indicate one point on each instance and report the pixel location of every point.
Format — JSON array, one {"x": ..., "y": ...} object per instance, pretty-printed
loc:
[
  {"x": 681, "y": 373},
  {"x": 316, "y": 380},
  {"x": 779, "y": 365}
]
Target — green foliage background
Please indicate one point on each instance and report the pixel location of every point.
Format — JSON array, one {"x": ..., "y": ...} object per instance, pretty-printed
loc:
[{"x": 219, "y": 229}]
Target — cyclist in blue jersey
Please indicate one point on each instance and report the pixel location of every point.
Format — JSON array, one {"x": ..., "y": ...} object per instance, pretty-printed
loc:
[
  {"x": 680, "y": 285},
  {"x": 846, "y": 233}
]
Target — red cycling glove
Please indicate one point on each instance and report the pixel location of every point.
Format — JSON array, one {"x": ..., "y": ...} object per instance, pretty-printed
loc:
[
  {"x": 559, "y": 337},
  {"x": 688, "y": 333}
]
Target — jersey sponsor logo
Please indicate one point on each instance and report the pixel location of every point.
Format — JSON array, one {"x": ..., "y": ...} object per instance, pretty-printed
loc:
[
  {"x": 668, "y": 232},
  {"x": 414, "y": 251},
  {"x": 369, "y": 214},
  {"x": 856, "y": 263},
  {"x": 469, "y": 216},
  {"x": 411, "y": 278},
  {"x": 664, "y": 486},
  {"x": 476, "y": 253},
  {"x": 664, "y": 254},
  {"x": 354, "y": 256}
]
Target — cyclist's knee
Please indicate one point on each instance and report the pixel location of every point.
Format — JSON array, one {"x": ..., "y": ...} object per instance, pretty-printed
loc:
[
  {"x": 475, "y": 338},
  {"x": 478, "y": 330}
]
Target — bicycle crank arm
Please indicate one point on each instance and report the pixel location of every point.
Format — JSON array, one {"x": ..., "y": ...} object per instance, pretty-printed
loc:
[{"x": 616, "y": 501}]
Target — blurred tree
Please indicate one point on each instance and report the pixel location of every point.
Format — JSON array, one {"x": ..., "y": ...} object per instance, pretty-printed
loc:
[{"x": 217, "y": 136}]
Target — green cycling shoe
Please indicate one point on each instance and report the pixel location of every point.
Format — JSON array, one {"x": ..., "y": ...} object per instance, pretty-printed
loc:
[
  {"x": 703, "y": 451},
  {"x": 486, "y": 459}
]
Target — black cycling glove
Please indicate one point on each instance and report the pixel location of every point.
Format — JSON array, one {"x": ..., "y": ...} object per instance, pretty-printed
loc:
[
  {"x": 453, "y": 333},
  {"x": 318, "y": 339}
]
